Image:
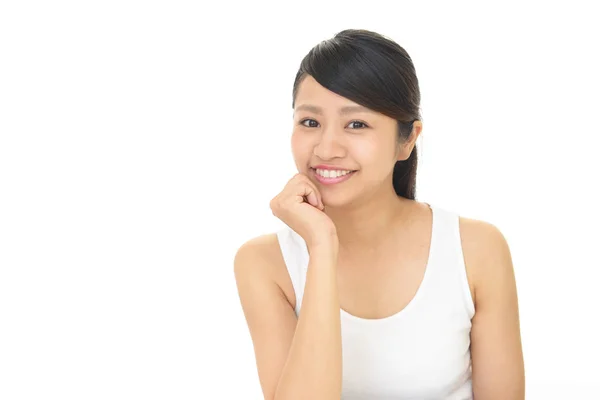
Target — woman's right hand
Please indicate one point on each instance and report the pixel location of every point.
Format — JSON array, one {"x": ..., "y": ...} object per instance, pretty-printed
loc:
[{"x": 299, "y": 206}]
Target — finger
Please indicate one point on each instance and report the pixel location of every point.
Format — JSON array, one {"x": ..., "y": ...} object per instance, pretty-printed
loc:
[
  {"x": 302, "y": 181},
  {"x": 311, "y": 196},
  {"x": 319, "y": 201}
]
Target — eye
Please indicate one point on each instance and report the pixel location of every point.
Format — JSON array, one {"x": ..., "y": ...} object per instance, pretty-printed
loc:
[
  {"x": 358, "y": 122},
  {"x": 308, "y": 119},
  {"x": 353, "y": 123}
]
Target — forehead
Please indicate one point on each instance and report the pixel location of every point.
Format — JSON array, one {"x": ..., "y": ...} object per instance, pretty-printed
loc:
[
  {"x": 313, "y": 97},
  {"x": 311, "y": 90}
]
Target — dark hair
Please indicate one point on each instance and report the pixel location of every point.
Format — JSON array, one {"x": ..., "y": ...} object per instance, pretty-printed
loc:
[{"x": 376, "y": 72}]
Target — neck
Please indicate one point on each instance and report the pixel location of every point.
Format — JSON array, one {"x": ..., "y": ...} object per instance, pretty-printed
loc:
[{"x": 367, "y": 223}]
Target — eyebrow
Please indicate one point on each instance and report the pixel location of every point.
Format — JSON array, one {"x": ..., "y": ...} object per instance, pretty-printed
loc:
[{"x": 343, "y": 111}]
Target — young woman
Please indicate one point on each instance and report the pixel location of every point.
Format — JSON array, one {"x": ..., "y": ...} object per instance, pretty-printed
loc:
[{"x": 368, "y": 293}]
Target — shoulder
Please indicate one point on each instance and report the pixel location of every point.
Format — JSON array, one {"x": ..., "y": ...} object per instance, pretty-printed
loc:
[
  {"x": 260, "y": 246},
  {"x": 259, "y": 259},
  {"x": 478, "y": 233},
  {"x": 486, "y": 253},
  {"x": 257, "y": 255}
]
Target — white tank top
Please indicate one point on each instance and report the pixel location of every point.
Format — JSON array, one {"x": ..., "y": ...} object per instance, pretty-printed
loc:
[{"x": 421, "y": 352}]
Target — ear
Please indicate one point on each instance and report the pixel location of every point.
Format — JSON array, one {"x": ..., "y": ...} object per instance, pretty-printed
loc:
[{"x": 406, "y": 148}]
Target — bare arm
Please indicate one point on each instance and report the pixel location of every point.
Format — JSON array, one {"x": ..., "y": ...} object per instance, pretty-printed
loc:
[
  {"x": 296, "y": 358},
  {"x": 498, "y": 367}
]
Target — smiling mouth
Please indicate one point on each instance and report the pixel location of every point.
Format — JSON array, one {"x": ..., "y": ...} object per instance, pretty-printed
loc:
[
  {"x": 331, "y": 173},
  {"x": 329, "y": 177}
]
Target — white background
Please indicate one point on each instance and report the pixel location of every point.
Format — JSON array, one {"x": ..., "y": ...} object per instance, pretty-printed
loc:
[{"x": 141, "y": 143}]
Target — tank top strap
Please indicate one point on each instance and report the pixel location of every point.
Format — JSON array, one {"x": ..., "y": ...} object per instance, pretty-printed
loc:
[
  {"x": 295, "y": 255},
  {"x": 448, "y": 275}
]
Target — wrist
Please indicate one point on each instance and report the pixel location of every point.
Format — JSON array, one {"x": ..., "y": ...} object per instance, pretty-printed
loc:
[{"x": 325, "y": 247}]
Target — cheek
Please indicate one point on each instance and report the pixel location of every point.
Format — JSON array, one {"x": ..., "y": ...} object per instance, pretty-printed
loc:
[
  {"x": 373, "y": 155},
  {"x": 366, "y": 152},
  {"x": 300, "y": 147}
]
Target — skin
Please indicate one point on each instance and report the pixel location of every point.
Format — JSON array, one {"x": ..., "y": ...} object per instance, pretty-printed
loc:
[{"x": 383, "y": 247}]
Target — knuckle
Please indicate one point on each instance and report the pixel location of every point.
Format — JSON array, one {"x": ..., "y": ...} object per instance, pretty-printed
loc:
[
  {"x": 275, "y": 203},
  {"x": 301, "y": 177}
]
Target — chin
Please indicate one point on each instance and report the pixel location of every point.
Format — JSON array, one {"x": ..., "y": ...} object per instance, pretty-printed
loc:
[
  {"x": 334, "y": 194},
  {"x": 337, "y": 200}
]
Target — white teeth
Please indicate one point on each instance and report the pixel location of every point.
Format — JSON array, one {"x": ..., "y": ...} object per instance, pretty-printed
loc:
[{"x": 329, "y": 173}]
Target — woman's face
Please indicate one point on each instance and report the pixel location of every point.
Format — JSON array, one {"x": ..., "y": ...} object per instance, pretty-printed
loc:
[{"x": 332, "y": 131}]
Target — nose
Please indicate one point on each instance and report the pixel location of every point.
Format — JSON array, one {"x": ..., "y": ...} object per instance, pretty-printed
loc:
[{"x": 328, "y": 145}]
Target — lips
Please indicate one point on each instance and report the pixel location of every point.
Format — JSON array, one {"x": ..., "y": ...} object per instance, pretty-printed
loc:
[
  {"x": 331, "y": 176},
  {"x": 331, "y": 167}
]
